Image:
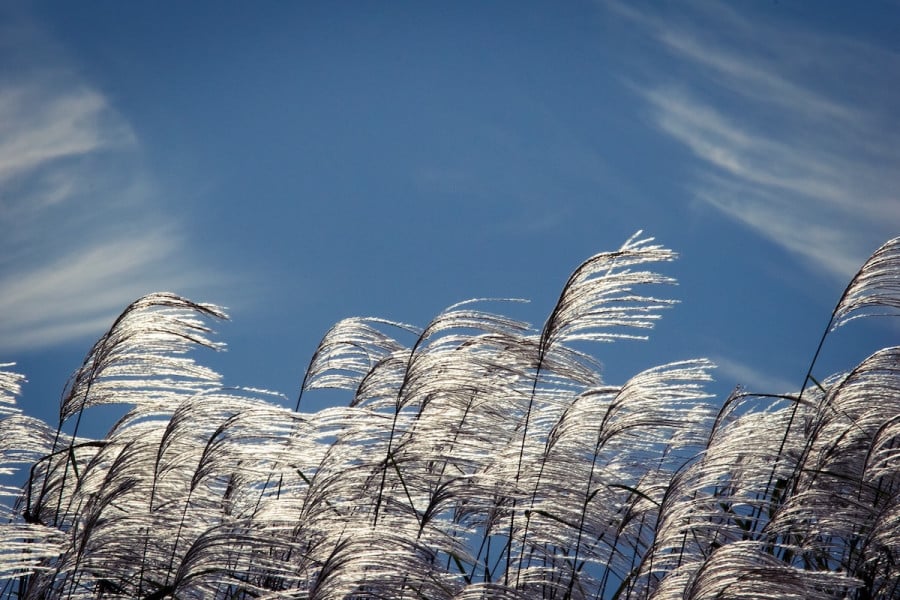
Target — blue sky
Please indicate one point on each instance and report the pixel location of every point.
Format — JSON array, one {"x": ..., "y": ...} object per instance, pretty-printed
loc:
[{"x": 303, "y": 162}]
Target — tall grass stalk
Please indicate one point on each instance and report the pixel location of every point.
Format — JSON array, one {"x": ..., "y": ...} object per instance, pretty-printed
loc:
[{"x": 485, "y": 459}]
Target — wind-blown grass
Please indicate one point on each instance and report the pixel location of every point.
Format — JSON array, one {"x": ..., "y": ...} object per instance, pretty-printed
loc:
[{"x": 483, "y": 459}]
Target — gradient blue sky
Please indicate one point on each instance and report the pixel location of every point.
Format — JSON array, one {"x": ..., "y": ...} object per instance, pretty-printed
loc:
[{"x": 303, "y": 162}]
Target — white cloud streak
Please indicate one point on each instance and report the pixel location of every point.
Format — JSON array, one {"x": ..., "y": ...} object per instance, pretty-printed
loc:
[
  {"x": 81, "y": 237},
  {"x": 80, "y": 293},
  {"x": 39, "y": 125},
  {"x": 795, "y": 132},
  {"x": 750, "y": 378}
]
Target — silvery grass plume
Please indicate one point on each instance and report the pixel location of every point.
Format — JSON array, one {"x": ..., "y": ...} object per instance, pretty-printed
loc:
[{"x": 476, "y": 458}]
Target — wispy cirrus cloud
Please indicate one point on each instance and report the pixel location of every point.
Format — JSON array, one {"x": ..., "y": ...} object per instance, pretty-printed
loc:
[
  {"x": 81, "y": 236},
  {"x": 736, "y": 373},
  {"x": 40, "y": 123},
  {"x": 795, "y": 132},
  {"x": 78, "y": 294}
]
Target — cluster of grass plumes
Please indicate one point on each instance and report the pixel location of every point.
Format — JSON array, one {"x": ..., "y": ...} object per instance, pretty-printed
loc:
[{"x": 484, "y": 459}]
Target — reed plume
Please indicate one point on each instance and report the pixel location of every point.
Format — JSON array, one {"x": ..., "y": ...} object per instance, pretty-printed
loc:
[{"x": 477, "y": 457}]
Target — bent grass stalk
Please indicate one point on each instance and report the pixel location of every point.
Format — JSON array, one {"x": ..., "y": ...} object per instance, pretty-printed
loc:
[{"x": 487, "y": 460}]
